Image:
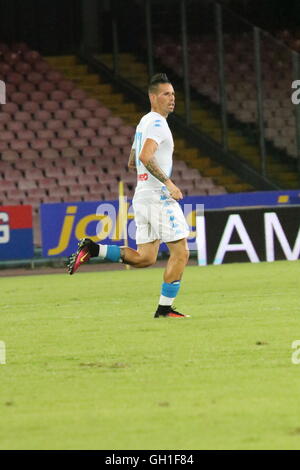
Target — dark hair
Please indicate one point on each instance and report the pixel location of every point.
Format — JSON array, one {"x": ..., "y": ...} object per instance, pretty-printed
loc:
[{"x": 156, "y": 80}]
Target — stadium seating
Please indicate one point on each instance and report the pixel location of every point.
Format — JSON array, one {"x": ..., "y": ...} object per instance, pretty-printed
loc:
[
  {"x": 59, "y": 144},
  {"x": 241, "y": 81}
]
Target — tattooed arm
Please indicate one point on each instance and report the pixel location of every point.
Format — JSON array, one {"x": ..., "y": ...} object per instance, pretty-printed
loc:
[
  {"x": 149, "y": 161},
  {"x": 131, "y": 161}
]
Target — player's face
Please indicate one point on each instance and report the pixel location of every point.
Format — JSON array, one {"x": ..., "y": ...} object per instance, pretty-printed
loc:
[{"x": 164, "y": 99}]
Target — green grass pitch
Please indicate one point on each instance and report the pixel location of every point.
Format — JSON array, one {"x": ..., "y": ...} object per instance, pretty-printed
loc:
[{"x": 88, "y": 367}]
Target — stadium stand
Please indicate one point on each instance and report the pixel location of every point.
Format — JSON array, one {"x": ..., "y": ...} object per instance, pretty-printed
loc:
[
  {"x": 58, "y": 143},
  {"x": 243, "y": 141}
]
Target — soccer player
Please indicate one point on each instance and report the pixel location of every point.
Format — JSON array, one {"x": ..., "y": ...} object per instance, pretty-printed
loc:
[{"x": 158, "y": 216}]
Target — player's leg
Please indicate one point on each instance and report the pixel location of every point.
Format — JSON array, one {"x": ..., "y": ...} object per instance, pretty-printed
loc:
[
  {"x": 179, "y": 255},
  {"x": 144, "y": 256}
]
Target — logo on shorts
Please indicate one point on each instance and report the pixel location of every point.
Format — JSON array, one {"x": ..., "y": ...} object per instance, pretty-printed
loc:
[{"x": 143, "y": 177}]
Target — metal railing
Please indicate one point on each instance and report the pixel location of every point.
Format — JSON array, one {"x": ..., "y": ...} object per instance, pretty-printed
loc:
[{"x": 235, "y": 79}]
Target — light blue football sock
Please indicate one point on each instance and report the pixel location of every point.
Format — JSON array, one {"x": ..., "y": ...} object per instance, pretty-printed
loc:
[
  {"x": 169, "y": 290},
  {"x": 110, "y": 253}
]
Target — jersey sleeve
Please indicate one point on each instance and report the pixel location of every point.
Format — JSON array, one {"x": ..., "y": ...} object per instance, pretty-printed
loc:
[{"x": 156, "y": 131}]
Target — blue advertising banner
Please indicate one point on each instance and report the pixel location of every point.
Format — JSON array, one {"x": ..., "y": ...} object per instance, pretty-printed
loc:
[{"x": 63, "y": 224}]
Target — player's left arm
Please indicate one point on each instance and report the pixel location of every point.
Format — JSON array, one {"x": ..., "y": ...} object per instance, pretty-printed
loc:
[{"x": 131, "y": 161}]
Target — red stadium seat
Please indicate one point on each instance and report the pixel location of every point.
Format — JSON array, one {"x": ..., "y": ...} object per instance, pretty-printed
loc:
[
  {"x": 29, "y": 154},
  {"x": 35, "y": 125},
  {"x": 90, "y": 103},
  {"x": 14, "y": 78},
  {"x": 39, "y": 144},
  {"x": 18, "y": 97},
  {"x": 42, "y": 115},
  {"x": 9, "y": 108},
  {"x": 102, "y": 113},
  {"x": 60, "y": 191},
  {"x": 86, "y": 132},
  {"x": 59, "y": 144},
  {"x": 10, "y": 89},
  {"x": 66, "y": 85},
  {"x": 8, "y": 185},
  {"x": 35, "y": 77},
  {"x": 50, "y": 153},
  {"x": 47, "y": 183},
  {"x": 30, "y": 107},
  {"x": 54, "y": 172},
  {"x": 54, "y": 124},
  {"x": 114, "y": 121},
  {"x": 74, "y": 123},
  {"x": 53, "y": 76},
  {"x": 4, "y": 145},
  {"x": 16, "y": 194},
  {"x": 70, "y": 152},
  {"x": 87, "y": 179},
  {"x": 7, "y": 136},
  {"x": 94, "y": 123},
  {"x": 52, "y": 200},
  {"x": 58, "y": 95},
  {"x": 23, "y": 116},
  {"x": 91, "y": 152},
  {"x": 4, "y": 117},
  {"x": 23, "y": 67},
  {"x": 119, "y": 140},
  {"x": 19, "y": 145},
  {"x": 46, "y": 87},
  {"x": 23, "y": 164},
  {"x": 99, "y": 142},
  {"x": 82, "y": 113},
  {"x": 32, "y": 56},
  {"x": 34, "y": 174},
  {"x": 73, "y": 170},
  {"x": 78, "y": 94},
  {"x": 26, "y": 134},
  {"x": 27, "y": 184},
  {"x": 27, "y": 88},
  {"x": 47, "y": 134},
  {"x": 66, "y": 133},
  {"x": 5, "y": 166},
  {"x": 62, "y": 114},
  {"x": 78, "y": 190},
  {"x": 44, "y": 163},
  {"x": 15, "y": 126},
  {"x": 50, "y": 106},
  {"x": 67, "y": 181},
  {"x": 106, "y": 131},
  {"x": 128, "y": 131},
  {"x": 5, "y": 69},
  {"x": 38, "y": 96},
  {"x": 12, "y": 175},
  {"x": 41, "y": 66},
  {"x": 72, "y": 105}
]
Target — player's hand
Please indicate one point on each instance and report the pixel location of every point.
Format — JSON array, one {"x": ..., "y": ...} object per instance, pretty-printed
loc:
[{"x": 174, "y": 191}]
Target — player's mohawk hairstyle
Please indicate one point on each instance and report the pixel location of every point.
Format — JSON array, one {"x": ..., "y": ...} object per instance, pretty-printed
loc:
[{"x": 156, "y": 80}]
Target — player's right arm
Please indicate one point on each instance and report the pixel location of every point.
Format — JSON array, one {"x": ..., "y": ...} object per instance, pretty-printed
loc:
[
  {"x": 147, "y": 157},
  {"x": 131, "y": 161}
]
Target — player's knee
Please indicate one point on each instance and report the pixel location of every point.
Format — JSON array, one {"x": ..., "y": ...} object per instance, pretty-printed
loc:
[
  {"x": 182, "y": 257},
  {"x": 145, "y": 261},
  {"x": 149, "y": 261}
]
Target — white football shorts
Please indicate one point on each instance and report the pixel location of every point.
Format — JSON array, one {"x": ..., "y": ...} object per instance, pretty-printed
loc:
[{"x": 158, "y": 217}]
